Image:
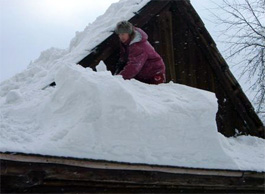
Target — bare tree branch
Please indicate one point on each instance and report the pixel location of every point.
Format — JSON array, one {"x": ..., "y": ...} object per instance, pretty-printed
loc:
[{"x": 244, "y": 32}]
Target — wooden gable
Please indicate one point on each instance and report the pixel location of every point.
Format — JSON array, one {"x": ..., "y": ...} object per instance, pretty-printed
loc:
[{"x": 191, "y": 57}]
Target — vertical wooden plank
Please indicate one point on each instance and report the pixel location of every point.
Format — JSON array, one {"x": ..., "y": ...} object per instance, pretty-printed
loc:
[
  {"x": 164, "y": 21},
  {"x": 192, "y": 68},
  {"x": 180, "y": 36},
  {"x": 191, "y": 60}
]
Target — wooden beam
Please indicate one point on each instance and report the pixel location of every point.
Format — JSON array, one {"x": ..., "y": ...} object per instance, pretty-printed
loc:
[
  {"x": 44, "y": 173},
  {"x": 89, "y": 163}
]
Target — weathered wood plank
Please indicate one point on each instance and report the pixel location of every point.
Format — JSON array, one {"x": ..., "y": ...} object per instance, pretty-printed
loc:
[
  {"x": 164, "y": 21},
  {"x": 22, "y": 175},
  {"x": 98, "y": 187},
  {"x": 179, "y": 39},
  {"x": 36, "y": 173},
  {"x": 114, "y": 165}
]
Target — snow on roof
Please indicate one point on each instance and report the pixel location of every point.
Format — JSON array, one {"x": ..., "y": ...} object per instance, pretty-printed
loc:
[
  {"x": 41, "y": 72},
  {"x": 83, "y": 43},
  {"x": 99, "y": 116},
  {"x": 80, "y": 46}
]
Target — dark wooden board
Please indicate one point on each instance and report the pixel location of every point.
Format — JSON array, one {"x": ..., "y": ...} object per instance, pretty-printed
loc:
[{"x": 32, "y": 173}]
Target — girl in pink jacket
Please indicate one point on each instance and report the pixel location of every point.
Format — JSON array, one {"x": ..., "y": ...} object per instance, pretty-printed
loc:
[{"x": 139, "y": 58}]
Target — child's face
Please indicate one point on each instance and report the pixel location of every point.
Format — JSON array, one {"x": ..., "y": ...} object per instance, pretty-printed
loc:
[{"x": 124, "y": 37}]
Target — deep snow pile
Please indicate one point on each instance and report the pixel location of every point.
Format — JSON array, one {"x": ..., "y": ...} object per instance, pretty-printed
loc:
[{"x": 100, "y": 116}]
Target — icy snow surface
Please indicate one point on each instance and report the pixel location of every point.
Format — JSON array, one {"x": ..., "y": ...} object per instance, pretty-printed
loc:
[{"x": 99, "y": 116}]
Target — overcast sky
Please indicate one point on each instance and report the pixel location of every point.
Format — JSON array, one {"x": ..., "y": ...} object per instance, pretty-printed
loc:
[{"x": 28, "y": 27}]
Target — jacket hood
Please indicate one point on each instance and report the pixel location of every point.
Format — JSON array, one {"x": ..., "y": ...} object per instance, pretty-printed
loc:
[{"x": 140, "y": 36}]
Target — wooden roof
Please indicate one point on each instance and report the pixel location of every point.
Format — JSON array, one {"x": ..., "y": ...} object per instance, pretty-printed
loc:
[
  {"x": 36, "y": 173},
  {"x": 192, "y": 58}
]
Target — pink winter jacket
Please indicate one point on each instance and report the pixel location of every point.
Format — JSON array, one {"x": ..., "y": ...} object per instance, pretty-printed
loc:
[{"x": 144, "y": 63}]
